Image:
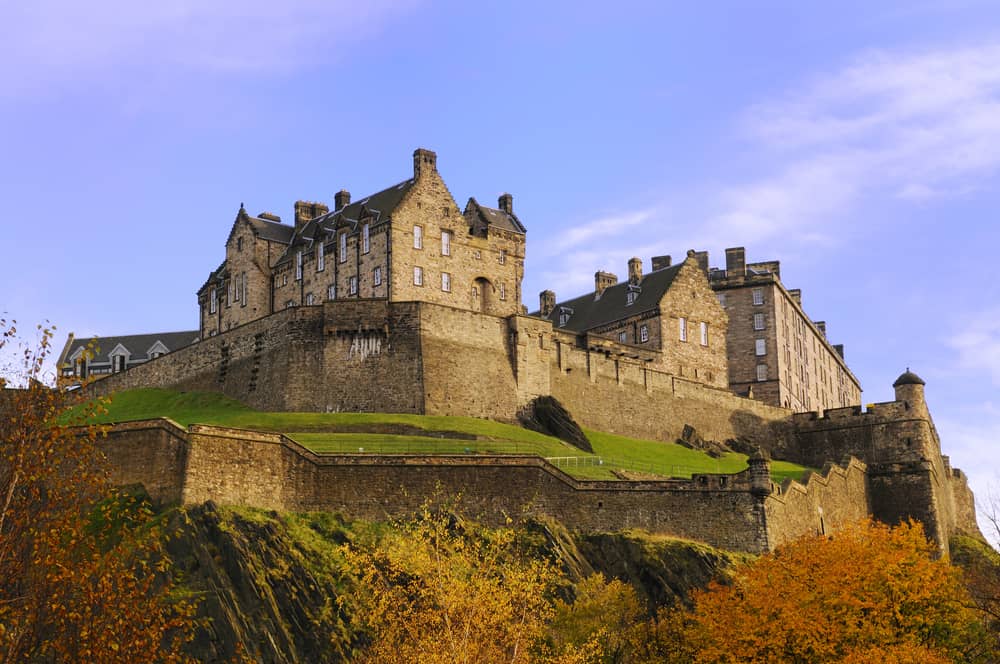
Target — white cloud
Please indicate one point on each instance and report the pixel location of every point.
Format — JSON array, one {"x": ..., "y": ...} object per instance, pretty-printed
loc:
[
  {"x": 977, "y": 344},
  {"x": 52, "y": 42}
]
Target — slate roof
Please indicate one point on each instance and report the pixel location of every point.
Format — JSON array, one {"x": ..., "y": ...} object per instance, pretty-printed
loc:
[
  {"x": 137, "y": 344},
  {"x": 379, "y": 205},
  {"x": 588, "y": 313},
  {"x": 272, "y": 230},
  {"x": 479, "y": 215},
  {"x": 908, "y": 378}
]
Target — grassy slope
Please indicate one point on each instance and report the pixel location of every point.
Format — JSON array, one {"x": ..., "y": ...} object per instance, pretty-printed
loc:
[{"x": 396, "y": 433}]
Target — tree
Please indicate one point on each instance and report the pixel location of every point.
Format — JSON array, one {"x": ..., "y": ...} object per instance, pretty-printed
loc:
[
  {"x": 868, "y": 593},
  {"x": 82, "y": 573}
]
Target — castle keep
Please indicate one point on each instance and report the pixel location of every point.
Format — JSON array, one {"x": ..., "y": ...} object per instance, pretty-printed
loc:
[{"x": 402, "y": 302}]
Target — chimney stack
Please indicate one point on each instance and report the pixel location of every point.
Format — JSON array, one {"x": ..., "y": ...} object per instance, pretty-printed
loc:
[
  {"x": 821, "y": 324},
  {"x": 307, "y": 210},
  {"x": 660, "y": 262},
  {"x": 506, "y": 203},
  {"x": 341, "y": 199},
  {"x": 702, "y": 258},
  {"x": 796, "y": 295},
  {"x": 423, "y": 161},
  {"x": 736, "y": 261},
  {"x": 546, "y": 303},
  {"x": 634, "y": 270},
  {"x": 601, "y": 281}
]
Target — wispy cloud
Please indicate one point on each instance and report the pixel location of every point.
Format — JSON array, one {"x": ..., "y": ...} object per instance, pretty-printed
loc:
[
  {"x": 977, "y": 344},
  {"x": 55, "y": 42}
]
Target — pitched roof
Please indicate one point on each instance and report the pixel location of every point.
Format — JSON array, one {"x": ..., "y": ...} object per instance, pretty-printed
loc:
[
  {"x": 136, "y": 344},
  {"x": 479, "y": 215},
  {"x": 586, "y": 313},
  {"x": 271, "y": 230},
  {"x": 380, "y": 205}
]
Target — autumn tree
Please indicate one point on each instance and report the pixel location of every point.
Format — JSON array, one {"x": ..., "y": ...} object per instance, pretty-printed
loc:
[
  {"x": 868, "y": 593},
  {"x": 81, "y": 570}
]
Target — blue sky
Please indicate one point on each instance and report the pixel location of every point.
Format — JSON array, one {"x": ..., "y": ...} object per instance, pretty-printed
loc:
[{"x": 857, "y": 142}]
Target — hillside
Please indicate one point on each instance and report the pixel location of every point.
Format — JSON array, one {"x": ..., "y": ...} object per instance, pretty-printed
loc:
[{"x": 613, "y": 457}]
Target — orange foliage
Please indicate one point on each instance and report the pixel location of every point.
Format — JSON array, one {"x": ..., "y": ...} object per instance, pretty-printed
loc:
[
  {"x": 82, "y": 573},
  {"x": 868, "y": 593}
]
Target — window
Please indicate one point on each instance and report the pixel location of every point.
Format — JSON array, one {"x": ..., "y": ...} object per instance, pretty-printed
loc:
[
  {"x": 446, "y": 243},
  {"x": 118, "y": 363},
  {"x": 478, "y": 255},
  {"x": 378, "y": 275},
  {"x": 213, "y": 301},
  {"x": 418, "y": 237},
  {"x": 682, "y": 329},
  {"x": 331, "y": 292},
  {"x": 237, "y": 287},
  {"x": 366, "y": 240},
  {"x": 352, "y": 285},
  {"x": 418, "y": 275},
  {"x": 758, "y": 321},
  {"x": 630, "y": 298},
  {"x": 704, "y": 333},
  {"x": 563, "y": 318},
  {"x": 320, "y": 257},
  {"x": 289, "y": 304},
  {"x": 761, "y": 372},
  {"x": 239, "y": 244},
  {"x": 298, "y": 265},
  {"x": 503, "y": 291},
  {"x": 722, "y": 299},
  {"x": 446, "y": 282},
  {"x": 309, "y": 298},
  {"x": 343, "y": 247},
  {"x": 284, "y": 279},
  {"x": 758, "y": 295},
  {"x": 644, "y": 333},
  {"x": 244, "y": 285},
  {"x": 503, "y": 256},
  {"x": 760, "y": 347},
  {"x": 622, "y": 337},
  {"x": 229, "y": 298}
]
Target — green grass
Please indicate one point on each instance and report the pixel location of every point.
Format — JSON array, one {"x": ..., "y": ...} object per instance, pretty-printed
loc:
[{"x": 390, "y": 433}]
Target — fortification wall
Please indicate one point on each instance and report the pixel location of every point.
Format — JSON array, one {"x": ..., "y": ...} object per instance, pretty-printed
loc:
[
  {"x": 269, "y": 364},
  {"x": 270, "y": 471},
  {"x": 823, "y": 504},
  {"x": 152, "y": 453},
  {"x": 626, "y": 396},
  {"x": 965, "y": 505}
]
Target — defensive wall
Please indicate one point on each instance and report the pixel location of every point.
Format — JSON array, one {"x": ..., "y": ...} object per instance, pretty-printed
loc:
[
  {"x": 740, "y": 512},
  {"x": 414, "y": 357}
]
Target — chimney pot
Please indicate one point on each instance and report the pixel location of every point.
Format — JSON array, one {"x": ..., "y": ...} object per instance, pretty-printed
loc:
[
  {"x": 634, "y": 270},
  {"x": 546, "y": 303}
]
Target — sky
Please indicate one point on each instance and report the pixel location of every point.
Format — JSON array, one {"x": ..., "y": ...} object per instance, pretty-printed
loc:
[{"x": 856, "y": 142}]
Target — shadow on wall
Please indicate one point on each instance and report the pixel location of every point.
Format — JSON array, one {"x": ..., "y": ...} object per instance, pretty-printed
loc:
[{"x": 753, "y": 431}]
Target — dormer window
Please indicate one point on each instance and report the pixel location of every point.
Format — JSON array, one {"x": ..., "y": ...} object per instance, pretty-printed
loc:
[{"x": 564, "y": 315}]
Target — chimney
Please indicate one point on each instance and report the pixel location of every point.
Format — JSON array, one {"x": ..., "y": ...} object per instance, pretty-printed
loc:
[
  {"x": 341, "y": 199},
  {"x": 423, "y": 161},
  {"x": 601, "y": 281},
  {"x": 702, "y": 258},
  {"x": 660, "y": 262},
  {"x": 840, "y": 350},
  {"x": 796, "y": 295},
  {"x": 634, "y": 270},
  {"x": 269, "y": 216},
  {"x": 506, "y": 203},
  {"x": 307, "y": 210},
  {"x": 821, "y": 324},
  {"x": 546, "y": 303},
  {"x": 736, "y": 261}
]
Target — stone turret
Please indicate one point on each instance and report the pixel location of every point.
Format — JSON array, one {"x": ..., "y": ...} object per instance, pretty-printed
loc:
[
  {"x": 909, "y": 387},
  {"x": 634, "y": 270},
  {"x": 760, "y": 473}
]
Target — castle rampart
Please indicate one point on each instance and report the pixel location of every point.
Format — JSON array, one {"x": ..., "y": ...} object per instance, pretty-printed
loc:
[{"x": 270, "y": 471}]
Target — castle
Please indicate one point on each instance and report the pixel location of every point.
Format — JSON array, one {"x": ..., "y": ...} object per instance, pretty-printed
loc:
[{"x": 401, "y": 302}]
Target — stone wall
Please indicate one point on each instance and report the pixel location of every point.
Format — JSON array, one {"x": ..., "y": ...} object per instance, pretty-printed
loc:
[{"x": 270, "y": 471}]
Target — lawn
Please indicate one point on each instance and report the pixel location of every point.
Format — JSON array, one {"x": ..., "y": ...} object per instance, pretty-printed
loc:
[{"x": 390, "y": 433}]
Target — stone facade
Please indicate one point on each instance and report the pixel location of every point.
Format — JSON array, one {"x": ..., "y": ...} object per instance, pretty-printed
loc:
[{"x": 776, "y": 353}]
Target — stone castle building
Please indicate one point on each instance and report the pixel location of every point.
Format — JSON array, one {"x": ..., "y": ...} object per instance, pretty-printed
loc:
[{"x": 401, "y": 303}]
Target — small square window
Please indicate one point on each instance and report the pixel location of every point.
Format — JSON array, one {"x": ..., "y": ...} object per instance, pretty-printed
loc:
[
  {"x": 758, "y": 296},
  {"x": 331, "y": 293},
  {"x": 760, "y": 347},
  {"x": 353, "y": 285},
  {"x": 418, "y": 237},
  {"x": 644, "y": 333},
  {"x": 630, "y": 298},
  {"x": 563, "y": 318},
  {"x": 622, "y": 337},
  {"x": 758, "y": 321},
  {"x": 309, "y": 299},
  {"x": 761, "y": 372},
  {"x": 378, "y": 275},
  {"x": 418, "y": 276},
  {"x": 446, "y": 282}
]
